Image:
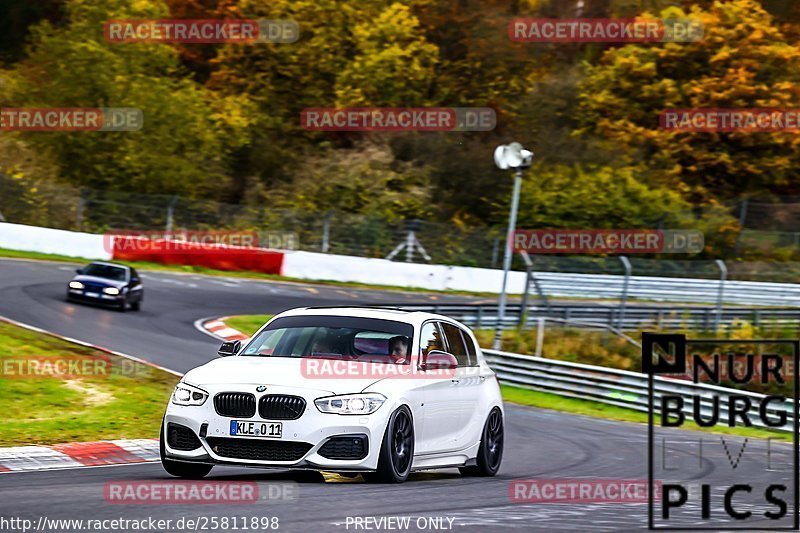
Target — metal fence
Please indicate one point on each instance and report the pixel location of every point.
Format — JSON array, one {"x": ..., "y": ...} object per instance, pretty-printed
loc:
[
  {"x": 614, "y": 387},
  {"x": 636, "y": 317},
  {"x": 43, "y": 203}
]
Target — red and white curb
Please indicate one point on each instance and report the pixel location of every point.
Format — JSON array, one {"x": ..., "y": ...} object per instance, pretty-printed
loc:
[
  {"x": 78, "y": 454},
  {"x": 217, "y": 328}
]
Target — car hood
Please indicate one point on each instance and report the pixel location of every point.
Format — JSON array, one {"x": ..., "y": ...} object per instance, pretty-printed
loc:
[
  {"x": 100, "y": 281},
  {"x": 283, "y": 371}
]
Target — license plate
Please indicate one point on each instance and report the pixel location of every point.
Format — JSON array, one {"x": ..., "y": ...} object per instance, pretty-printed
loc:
[
  {"x": 270, "y": 430},
  {"x": 92, "y": 294}
]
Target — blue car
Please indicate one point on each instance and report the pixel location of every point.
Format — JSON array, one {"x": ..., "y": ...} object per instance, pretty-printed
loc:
[{"x": 104, "y": 283}]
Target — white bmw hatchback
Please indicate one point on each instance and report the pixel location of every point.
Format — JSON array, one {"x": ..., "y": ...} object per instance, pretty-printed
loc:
[{"x": 344, "y": 389}]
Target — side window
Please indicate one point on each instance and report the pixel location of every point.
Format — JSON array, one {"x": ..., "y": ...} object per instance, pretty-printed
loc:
[
  {"x": 455, "y": 343},
  {"x": 430, "y": 339},
  {"x": 134, "y": 274},
  {"x": 471, "y": 351}
]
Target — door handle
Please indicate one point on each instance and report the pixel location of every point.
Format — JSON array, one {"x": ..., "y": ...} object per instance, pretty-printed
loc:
[{"x": 483, "y": 378}]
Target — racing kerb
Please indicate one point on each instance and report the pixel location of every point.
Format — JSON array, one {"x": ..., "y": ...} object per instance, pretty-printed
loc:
[{"x": 613, "y": 387}]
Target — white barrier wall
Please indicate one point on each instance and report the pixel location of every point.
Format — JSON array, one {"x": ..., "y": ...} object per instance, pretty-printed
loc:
[
  {"x": 301, "y": 265},
  {"x": 317, "y": 266},
  {"x": 52, "y": 241}
]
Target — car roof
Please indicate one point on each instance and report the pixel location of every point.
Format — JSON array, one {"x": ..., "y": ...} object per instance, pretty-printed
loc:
[{"x": 385, "y": 313}]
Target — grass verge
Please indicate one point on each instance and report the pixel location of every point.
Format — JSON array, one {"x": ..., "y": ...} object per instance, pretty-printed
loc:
[
  {"x": 247, "y": 324},
  {"x": 100, "y": 397}
]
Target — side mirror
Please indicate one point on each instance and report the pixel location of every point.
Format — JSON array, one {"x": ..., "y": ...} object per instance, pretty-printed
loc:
[
  {"x": 79, "y": 271},
  {"x": 438, "y": 360},
  {"x": 229, "y": 348},
  {"x": 135, "y": 280}
]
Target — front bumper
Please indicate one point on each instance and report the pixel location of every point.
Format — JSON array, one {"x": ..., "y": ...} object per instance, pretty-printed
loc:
[
  {"x": 312, "y": 428},
  {"x": 101, "y": 298}
]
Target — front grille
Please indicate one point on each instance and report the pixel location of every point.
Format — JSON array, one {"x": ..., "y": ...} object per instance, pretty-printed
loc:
[
  {"x": 258, "y": 449},
  {"x": 235, "y": 404},
  {"x": 181, "y": 438},
  {"x": 353, "y": 447},
  {"x": 281, "y": 407}
]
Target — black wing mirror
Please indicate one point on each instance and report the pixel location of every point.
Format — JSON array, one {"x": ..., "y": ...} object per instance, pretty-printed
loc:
[
  {"x": 229, "y": 348},
  {"x": 79, "y": 271}
]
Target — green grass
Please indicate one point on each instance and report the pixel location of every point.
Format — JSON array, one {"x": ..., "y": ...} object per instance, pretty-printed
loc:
[
  {"x": 576, "y": 406},
  {"x": 87, "y": 406},
  {"x": 247, "y": 324}
]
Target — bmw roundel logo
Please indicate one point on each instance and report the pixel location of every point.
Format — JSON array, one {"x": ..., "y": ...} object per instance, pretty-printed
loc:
[{"x": 261, "y": 388}]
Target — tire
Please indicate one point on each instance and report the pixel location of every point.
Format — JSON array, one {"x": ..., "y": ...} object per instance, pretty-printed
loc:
[
  {"x": 397, "y": 449},
  {"x": 490, "y": 452},
  {"x": 136, "y": 306},
  {"x": 123, "y": 305},
  {"x": 179, "y": 469}
]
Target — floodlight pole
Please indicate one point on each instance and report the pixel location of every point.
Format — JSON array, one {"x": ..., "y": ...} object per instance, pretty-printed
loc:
[{"x": 507, "y": 256}]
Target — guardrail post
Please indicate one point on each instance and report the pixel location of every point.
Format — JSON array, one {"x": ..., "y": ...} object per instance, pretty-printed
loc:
[
  {"x": 523, "y": 310},
  {"x": 627, "y": 265},
  {"x": 723, "y": 274},
  {"x": 539, "y": 335},
  {"x": 480, "y": 316},
  {"x": 530, "y": 276}
]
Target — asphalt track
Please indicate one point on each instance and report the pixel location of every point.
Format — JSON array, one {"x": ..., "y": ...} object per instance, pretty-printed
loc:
[{"x": 539, "y": 444}]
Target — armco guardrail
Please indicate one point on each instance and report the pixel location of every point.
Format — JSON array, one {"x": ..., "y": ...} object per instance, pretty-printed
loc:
[
  {"x": 615, "y": 387},
  {"x": 558, "y": 284},
  {"x": 635, "y": 317}
]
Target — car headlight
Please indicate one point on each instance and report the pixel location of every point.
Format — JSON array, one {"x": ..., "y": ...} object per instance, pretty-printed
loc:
[
  {"x": 111, "y": 290},
  {"x": 75, "y": 285},
  {"x": 350, "y": 404},
  {"x": 186, "y": 394}
]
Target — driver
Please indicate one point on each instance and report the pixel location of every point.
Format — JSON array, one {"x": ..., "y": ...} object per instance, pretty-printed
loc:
[
  {"x": 398, "y": 348},
  {"x": 322, "y": 346}
]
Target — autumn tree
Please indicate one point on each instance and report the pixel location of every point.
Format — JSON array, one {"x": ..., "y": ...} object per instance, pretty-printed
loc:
[
  {"x": 743, "y": 61},
  {"x": 188, "y": 131}
]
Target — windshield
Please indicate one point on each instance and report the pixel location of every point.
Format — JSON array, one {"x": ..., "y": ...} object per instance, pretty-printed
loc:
[
  {"x": 357, "y": 339},
  {"x": 105, "y": 271}
]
